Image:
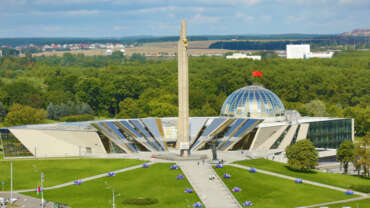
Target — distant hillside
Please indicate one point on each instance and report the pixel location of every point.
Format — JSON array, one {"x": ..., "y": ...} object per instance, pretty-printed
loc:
[{"x": 357, "y": 32}]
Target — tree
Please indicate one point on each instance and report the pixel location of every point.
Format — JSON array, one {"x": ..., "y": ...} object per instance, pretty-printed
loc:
[
  {"x": 315, "y": 108},
  {"x": 20, "y": 115},
  {"x": 2, "y": 112},
  {"x": 128, "y": 109},
  {"x": 302, "y": 155},
  {"x": 51, "y": 111},
  {"x": 138, "y": 57},
  {"x": 89, "y": 91},
  {"x": 361, "y": 158},
  {"x": 345, "y": 154}
]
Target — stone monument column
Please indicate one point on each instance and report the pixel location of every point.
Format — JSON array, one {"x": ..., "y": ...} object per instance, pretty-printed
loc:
[{"x": 183, "y": 81}]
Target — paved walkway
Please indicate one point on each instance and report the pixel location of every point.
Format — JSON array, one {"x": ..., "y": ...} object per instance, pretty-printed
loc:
[
  {"x": 305, "y": 181},
  {"x": 83, "y": 179},
  {"x": 337, "y": 202},
  {"x": 213, "y": 193},
  {"x": 24, "y": 201}
]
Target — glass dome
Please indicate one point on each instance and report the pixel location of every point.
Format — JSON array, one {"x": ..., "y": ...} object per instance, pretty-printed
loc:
[{"x": 254, "y": 102}]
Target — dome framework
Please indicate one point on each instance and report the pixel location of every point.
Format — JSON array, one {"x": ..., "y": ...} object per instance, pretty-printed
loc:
[{"x": 253, "y": 102}]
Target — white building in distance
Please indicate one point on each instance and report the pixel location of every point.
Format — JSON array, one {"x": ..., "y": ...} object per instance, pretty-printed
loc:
[
  {"x": 242, "y": 55},
  {"x": 303, "y": 51}
]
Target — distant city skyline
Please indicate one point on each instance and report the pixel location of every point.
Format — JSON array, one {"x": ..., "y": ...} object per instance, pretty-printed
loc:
[{"x": 122, "y": 18}]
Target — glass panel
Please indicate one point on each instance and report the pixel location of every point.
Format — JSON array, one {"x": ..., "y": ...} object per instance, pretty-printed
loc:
[
  {"x": 245, "y": 127},
  {"x": 329, "y": 134},
  {"x": 152, "y": 126},
  {"x": 295, "y": 135},
  {"x": 137, "y": 124},
  {"x": 129, "y": 127},
  {"x": 214, "y": 125},
  {"x": 281, "y": 137},
  {"x": 237, "y": 123}
]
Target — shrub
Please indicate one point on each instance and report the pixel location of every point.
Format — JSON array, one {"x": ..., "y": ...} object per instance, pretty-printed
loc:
[
  {"x": 22, "y": 114},
  {"x": 361, "y": 188},
  {"x": 140, "y": 201},
  {"x": 74, "y": 118}
]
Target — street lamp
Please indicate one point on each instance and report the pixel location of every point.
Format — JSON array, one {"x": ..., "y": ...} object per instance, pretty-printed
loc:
[{"x": 114, "y": 200}]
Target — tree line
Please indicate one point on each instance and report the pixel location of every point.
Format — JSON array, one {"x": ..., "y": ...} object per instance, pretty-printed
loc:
[{"x": 127, "y": 87}]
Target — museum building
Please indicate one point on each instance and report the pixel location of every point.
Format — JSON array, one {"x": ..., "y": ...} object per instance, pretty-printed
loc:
[{"x": 251, "y": 118}]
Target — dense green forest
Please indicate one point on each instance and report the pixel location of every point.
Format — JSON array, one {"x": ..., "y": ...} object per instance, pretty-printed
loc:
[{"x": 123, "y": 87}]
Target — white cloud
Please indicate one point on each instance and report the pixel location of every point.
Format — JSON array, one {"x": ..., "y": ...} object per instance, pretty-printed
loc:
[
  {"x": 148, "y": 2},
  {"x": 50, "y": 28},
  {"x": 200, "y": 19},
  {"x": 82, "y": 12},
  {"x": 354, "y": 2},
  {"x": 229, "y": 2},
  {"x": 293, "y": 19},
  {"x": 61, "y": 2},
  {"x": 244, "y": 17},
  {"x": 167, "y": 9},
  {"x": 328, "y": 2},
  {"x": 118, "y": 28},
  {"x": 266, "y": 18}
]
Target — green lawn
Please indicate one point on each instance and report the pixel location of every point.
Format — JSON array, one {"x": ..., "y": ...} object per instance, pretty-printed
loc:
[
  {"x": 356, "y": 204},
  {"x": 156, "y": 182},
  {"x": 340, "y": 180},
  {"x": 273, "y": 192},
  {"x": 26, "y": 173}
]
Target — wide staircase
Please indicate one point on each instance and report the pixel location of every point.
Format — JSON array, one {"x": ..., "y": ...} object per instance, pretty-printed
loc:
[{"x": 213, "y": 193}]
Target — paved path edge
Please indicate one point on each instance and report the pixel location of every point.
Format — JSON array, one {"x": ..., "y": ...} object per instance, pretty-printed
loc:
[{"x": 293, "y": 178}]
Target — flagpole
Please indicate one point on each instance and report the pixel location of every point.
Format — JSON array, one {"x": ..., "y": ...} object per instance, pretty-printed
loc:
[
  {"x": 41, "y": 189},
  {"x": 114, "y": 203},
  {"x": 11, "y": 182}
]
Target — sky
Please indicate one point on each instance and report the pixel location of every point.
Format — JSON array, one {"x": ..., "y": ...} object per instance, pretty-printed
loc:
[{"x": 121, "y": 18}]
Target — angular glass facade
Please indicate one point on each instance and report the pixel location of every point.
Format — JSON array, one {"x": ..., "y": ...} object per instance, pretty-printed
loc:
[
  {"x": 330, "y": 133},
  {"x": 12, "y": 146},
  {"x": 253, "y": 102}
]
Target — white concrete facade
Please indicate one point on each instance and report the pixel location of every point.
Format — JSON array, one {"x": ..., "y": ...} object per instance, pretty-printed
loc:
[
  {"x": 297, "y": 51},
  {"x": 242, "y": 55},
  {"x": 303, "y": 51},
  {"x": 59, "y": 143}
]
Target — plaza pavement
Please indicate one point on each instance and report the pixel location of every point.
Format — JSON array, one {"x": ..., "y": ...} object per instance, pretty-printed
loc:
[
  {"x": 24, "y": 201},
  {"x": 213, "y": 193}
]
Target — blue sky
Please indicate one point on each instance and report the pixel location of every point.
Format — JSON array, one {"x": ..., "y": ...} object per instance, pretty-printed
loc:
[{"x": 119, "y": 18}]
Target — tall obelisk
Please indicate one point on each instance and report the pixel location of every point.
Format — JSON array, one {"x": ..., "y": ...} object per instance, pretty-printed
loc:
[{"x": 183, "y": 79}]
